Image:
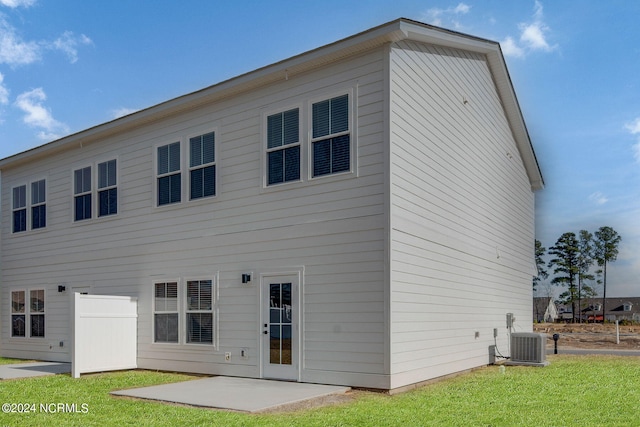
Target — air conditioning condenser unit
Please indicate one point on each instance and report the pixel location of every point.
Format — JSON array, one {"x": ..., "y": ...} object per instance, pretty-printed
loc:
[{"x": 528, "y": 348}]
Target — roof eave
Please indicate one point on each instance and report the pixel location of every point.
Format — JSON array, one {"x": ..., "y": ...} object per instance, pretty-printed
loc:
[{"x": 393, "y": 31}]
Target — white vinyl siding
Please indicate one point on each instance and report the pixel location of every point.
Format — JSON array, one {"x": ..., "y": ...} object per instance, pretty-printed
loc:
[
  {"x": 407, "y": 259},
  {"x": 462, "y": 213},
  {"x": 331, "y": 227}
]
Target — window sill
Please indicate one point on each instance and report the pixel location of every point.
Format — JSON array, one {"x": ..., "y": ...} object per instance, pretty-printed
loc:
[{"x": 185, "y": 346}]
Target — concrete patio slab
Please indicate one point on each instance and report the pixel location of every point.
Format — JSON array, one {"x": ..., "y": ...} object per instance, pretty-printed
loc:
[
  {"x": 238, "y": 394},
  {"x": 33, "y": 369}
]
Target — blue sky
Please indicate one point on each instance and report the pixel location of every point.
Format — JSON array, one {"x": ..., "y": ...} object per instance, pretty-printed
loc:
[{"x": 66, "y": 66}]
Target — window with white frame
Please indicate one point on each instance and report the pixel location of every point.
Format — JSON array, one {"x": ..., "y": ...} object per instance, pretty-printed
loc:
[
  {"x": 82, "y": 193},
  {"x": 18, "y": 314},
  {"x": 199, "y": 312},
  {"x": 202, "y": 166},
  {"x": 331, "y": 137},
  {"x": 28, "y": 315},
  {"x": 85, "y": 192},
  {"x": 19, "y": 208},
  {"x": 36, "y": 312},
  {"x": 38, "y": 205},
  {"x": 29, "y": 206},
  {"x": 166, "y": 314},
  {"x": 107, "y": 188},
  {"x": 183, "y": 312},
  {"x": 169, "y": 177},
  {"x": 283, "y": 147}
]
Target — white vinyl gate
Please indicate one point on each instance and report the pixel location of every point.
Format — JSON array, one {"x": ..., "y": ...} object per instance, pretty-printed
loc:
[{"x": 104, "y": 333}]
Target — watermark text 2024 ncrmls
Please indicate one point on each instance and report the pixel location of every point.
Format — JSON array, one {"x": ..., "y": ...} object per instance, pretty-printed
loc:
[{"x": 49, "y": 408}]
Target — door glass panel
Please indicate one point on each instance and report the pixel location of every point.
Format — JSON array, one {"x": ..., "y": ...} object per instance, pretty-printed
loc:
[
  {"x": 274, "y": 303},
  {"x": 274, "y": 344},
  {"x": 285, "y": 352},
  {"x": 286, "y": 303},
  {"x": 280, "y": 323}
]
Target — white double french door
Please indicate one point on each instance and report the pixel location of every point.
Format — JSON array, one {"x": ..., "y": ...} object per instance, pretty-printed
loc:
[{"x": 280, "y": 327}]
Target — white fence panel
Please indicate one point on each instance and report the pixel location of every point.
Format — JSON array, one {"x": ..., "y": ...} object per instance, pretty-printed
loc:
[{"x": 104, "y": 333}]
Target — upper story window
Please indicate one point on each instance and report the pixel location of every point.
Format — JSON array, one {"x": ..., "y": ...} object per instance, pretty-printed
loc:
[
  {"x": 29, "y": 206},
  {"x": 84, "y": 191},
  {"x": 202, "y": 166},
  {"x": 169, "y": 177},
  {"x": 107, "y": 188},
  {"x": 38, "y": 205},
  {"x": 199, "y": 166},
  {"x": 331, "y": 137},
  {"x": 627, "y": 306},
  {"x": 283, "y": 147},
  {"x": 19, "y": 208}
]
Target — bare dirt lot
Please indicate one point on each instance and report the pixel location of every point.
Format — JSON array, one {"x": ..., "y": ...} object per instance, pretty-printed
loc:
[{"x": 591, "y": 335}]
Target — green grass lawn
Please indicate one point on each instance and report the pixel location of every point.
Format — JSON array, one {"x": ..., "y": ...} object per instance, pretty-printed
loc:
[
  {"x": 5, "y": 361},
  {"x": 572, "y": 391}
]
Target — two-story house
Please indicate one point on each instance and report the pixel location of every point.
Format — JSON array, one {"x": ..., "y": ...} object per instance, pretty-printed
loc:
[{"x": 359, "y": 214}]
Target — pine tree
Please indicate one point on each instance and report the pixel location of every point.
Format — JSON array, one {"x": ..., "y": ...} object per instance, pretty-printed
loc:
[
  {"x": 606, "y": 251},
  {"x": 565, "y": 265},
  {"x": 540, "y": 264},
  {"x": 585, "y": 261}
]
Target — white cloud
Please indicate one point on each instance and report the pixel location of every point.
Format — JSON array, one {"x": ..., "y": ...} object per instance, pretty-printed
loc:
[
  {"x": 13, "y": 50},
  {"x": 69, "y": 42},
  {"x": 435, "y": 15},
  {"x": 533, "y": 36},
  {"x": 4, "y": 92},
  {"x": 511, "y": 48},
  {"x": 17, "y": 3},
  {"x": 16, "y": 51},
  {"x": 121, "y": 112},
  {"x": 38, "y": 116},
  {"x": 634, "y": 129},
  {"x": 598, "y": 198},
  {"x": 462, "y": 8}
]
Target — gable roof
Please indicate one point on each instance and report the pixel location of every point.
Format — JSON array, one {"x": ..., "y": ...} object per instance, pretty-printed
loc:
[
  {"x": 394, "y": 31},
  {"x": 614, "y": 305}
]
